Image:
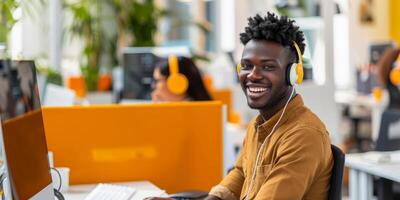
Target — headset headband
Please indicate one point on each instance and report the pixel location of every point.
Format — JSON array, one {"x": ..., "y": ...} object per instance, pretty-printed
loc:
[
  {"x": 173, "y": 65},
  {"x": 298, "y": 52}
]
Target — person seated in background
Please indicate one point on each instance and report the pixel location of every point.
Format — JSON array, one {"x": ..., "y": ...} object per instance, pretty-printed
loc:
[
  {"x": 388, "y": 75},
  {"x": 194, "y": 91},
  {"x": 286, "y": 153}
]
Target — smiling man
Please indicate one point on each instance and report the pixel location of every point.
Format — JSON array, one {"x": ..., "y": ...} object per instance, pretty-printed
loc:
[{"x": 286, "y": 152}]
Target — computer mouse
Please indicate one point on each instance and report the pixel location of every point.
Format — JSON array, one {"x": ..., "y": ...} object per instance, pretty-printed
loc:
[{"x": 189, "y": 195}]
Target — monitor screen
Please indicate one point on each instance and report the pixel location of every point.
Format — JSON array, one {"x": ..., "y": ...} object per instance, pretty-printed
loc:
[
  {"x": 22, "y": 132},
  {"x": 138, "y": 74},
  {"x": 377, "y": 49},
  {"x": 366, "y": 76}
]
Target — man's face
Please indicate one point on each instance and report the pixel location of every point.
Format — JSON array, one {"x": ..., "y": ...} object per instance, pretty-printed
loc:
[{"x": 262, "y": 74}]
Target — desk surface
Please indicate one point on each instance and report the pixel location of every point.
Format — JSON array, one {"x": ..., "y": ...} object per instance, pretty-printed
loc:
[
  {"x": 144, "y": 189},
  {"x": 385, "y": 170},
  {"x": 354, "y": 98}
]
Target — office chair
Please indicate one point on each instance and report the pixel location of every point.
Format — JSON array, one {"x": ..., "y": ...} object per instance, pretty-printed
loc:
[
  {"x": 384, "y": 142},
  {"x": 385, "y": 188},
  {"x": 335, "y": 190}
]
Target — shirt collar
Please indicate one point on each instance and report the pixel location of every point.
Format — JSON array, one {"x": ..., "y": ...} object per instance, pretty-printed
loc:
[{"x": 265, "y": 127}]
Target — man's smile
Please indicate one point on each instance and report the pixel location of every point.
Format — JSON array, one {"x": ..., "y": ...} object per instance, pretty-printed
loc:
[{"x": 256, "y": 91}]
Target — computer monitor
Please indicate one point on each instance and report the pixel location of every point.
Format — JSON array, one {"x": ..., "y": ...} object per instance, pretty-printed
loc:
[
  {"x": 138, "y": 66},
  {"x": 377, "y": 49},
  {"x": 366, "y": 77},
  {"x": 22, "y": 133},
  {"x": 389, "y": 131}
]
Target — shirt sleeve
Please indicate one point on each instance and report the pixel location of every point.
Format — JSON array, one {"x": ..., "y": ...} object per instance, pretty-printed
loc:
[
  {"x": 231, "y": 186},
  {"x": 298, "y": 160}
]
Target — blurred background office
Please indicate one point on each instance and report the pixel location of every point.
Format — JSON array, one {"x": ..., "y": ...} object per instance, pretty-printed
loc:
[{"x": 90, "y": 52}]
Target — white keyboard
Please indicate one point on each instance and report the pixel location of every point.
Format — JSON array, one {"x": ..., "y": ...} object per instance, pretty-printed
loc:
[{"x": 111, "y": 192}]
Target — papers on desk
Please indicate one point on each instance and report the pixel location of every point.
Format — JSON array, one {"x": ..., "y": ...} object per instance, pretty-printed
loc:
[{"x": 382, "y": 156}]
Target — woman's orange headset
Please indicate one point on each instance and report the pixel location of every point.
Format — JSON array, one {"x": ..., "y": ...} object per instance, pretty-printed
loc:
[
  {"x": 177, "y": 83},
  {"x": 294, "y": 72}
]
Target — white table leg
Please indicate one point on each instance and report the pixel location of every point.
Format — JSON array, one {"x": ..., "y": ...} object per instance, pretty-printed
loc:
[
  {"x": 365, "y": 186},
  {"x": 353, "y": 185}
]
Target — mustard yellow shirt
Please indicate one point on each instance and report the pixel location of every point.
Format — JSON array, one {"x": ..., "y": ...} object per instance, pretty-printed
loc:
[{"x": 296, "y": 161}]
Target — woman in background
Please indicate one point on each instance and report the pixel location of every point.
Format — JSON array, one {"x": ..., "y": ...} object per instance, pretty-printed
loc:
[
  {"x": 385, "y": 67},
  {"x": 196, "y": 90}
]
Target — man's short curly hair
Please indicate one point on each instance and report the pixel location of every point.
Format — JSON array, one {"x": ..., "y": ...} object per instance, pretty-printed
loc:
[{"x": 271, "y": 27}]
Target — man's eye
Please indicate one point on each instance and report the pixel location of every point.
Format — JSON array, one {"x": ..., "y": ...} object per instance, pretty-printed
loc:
[
  {"x": 268, "y": 68},
  {"x": 247, "y": 66}
]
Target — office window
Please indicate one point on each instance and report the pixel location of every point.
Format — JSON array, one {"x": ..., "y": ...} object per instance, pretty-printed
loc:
[
  {"x": 188, "y": 22},
  {"x": 211, "y": 20},
  {"x": 179, "y": 32}
]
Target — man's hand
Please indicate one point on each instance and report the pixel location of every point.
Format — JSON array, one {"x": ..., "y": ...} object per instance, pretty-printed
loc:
[{"x": 211, "y": 197}]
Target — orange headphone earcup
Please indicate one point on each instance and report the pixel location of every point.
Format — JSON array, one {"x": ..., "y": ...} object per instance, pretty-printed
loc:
[
  {"x": 294, "y": 74},
  {"x": 238, "y": 67},
  {"x": 295, "y": 71},
  {"x": 177, "y": 83}
]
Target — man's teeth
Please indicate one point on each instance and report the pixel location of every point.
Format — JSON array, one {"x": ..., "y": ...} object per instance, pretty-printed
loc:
[{"x": 257, "y": 89}]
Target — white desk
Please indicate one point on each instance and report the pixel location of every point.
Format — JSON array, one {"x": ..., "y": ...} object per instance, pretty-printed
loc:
[
  {"x": 362, "y": 172},
  {"x": 353, "y": 99},
  {"x": 144, "y": 189}
]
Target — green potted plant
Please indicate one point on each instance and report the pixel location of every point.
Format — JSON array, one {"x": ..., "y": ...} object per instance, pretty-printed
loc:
[
  {"x": 137, "y": 19},
  {"x": 7, "y": 19},
  {"x": 138, "y": 23},
  {"x": 86, "y": 26}
]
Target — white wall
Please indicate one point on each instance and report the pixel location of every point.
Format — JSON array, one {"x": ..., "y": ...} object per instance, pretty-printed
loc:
[{"x": 361, "y": 35}]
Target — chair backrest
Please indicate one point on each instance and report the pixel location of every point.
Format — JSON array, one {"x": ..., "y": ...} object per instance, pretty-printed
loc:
[
  {"x": 335, "y": 190},
  {"x": 389, "y": 131}
]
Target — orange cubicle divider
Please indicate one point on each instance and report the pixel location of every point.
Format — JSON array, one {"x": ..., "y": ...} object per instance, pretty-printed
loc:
[
  {"x": 225, "y": 96},
  {"x": 177, "y": 146}
]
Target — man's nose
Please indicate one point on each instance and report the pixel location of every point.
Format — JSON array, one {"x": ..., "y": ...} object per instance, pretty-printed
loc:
[{"x": 255, "y": 74}]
